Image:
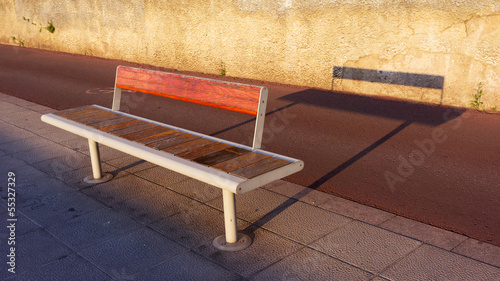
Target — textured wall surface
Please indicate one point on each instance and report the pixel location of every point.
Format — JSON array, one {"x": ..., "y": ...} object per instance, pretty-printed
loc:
[{"x": 434, "y": 51}]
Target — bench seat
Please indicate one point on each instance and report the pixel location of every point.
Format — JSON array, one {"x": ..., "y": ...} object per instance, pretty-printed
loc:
[{"x": 227, "y": 165}]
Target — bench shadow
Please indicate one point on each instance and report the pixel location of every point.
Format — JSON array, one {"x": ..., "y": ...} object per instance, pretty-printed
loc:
[
  {"x": 252, "y": 120},
  {"x": 371, "y": 106},
  {"x": 328, "y": 176},
  {"x": 390, "y": 77},
  {"x": 408, "y": 113},
  {"x": 125, "y": 168}
]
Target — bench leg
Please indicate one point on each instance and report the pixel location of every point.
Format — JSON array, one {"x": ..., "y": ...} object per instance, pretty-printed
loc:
[
  {"x": 97, "y": 175},
  {"x": 232, "y": 240}
]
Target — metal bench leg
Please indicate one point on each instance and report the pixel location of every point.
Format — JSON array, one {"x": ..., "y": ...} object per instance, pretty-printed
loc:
[
  {"x": 97, "y": 175},
  {"x": 232, "y": 240}
]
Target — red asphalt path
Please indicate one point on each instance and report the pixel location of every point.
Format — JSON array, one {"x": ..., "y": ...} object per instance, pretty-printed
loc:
[{"x": 434, "y": 164}]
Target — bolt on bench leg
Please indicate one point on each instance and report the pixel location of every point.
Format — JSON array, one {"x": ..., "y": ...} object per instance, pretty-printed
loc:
[
  {"x": 232, "y": 240},
  {"x": 95, "y": 158}
]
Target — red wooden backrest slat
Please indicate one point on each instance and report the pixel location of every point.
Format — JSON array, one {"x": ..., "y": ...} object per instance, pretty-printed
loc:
[{"x": 231, "y": 96}]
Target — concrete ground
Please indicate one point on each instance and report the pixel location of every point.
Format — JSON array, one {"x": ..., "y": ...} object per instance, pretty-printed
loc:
[{"x": 151, "y": 224}]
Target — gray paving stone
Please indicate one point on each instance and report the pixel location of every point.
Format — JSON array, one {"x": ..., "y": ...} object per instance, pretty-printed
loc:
[
  {"x": 132, "y": 253},
  {"x": 72, "y": 267},
  {"x": 15, "y": 100},
  {"x": 355, "y": 210},
  {"x": 62, "y": 137},
  {"x": 308, "y": 264},
  {"x": 423, "y": 232},
  {"x": 365, "y": 246},
  {"x": 28, "y": 120},
  {"x": 35, "y": 249},
  {"x": 24, "y": 175},
  {"x": 23, "y": 224},
  {"x": 8, "y": 108},
  {"x": 188, "y": 266},
  {"x": 10, "y": 162},
  {"x": 155, "y": 205},
  {"x": 69, "y": 140},
  {"x": 197, "y": 190},
  {"x": 93, "y": 228},
  {"x": 298, "y": 192},
  {"x": 53, "y": 133},
  {"x": 130, "y": 164},
  {"x": 67, "y": 161},
  {"x": 25, "y": 144},
  {"x": 267, "y": 249},
  {"x": 195, "y": 226},
  {"x": 40, "y": 108},
  {"x": 38, "y": 190},
  {"x": 11, "y": 133},
  {"x": 431, "y": 263},
  {"x": 61, "y": 207},
  {"x": 48, "y": 152},
  {"x": 302, "y": 222},
  {"x": 379, "y": 279},
  {"x": 161, "y": 176},
  {"x": 108, "y": 153},
  {"x": 256, "y": 205},
  {"x": 482, "y": 251},
  {"x": 120, "y": 189},
  {"x": 75, "y": 178}
]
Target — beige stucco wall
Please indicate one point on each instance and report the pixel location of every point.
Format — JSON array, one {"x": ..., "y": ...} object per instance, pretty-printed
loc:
[{"x": 288, "y": 41}]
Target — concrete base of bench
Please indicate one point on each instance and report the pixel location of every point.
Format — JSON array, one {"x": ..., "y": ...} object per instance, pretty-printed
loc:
[{"x": 241, "y": 243}]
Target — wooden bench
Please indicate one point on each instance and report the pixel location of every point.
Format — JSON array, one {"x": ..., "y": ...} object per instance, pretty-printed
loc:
[{"x": 233, "y": 167}]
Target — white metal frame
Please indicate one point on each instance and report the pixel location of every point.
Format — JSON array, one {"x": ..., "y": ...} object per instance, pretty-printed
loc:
[
  {"x": 95, "y": 158},
  {"x": 230, "y": 184},
  {"x": 259, "y": 120}
]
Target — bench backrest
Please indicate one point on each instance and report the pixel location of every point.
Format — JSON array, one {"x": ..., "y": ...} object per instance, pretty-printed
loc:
[{"x": 237, "y": 97}]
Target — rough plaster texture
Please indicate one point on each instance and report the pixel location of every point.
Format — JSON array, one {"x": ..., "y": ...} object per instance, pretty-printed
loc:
[{"x": 288, "y": 41}]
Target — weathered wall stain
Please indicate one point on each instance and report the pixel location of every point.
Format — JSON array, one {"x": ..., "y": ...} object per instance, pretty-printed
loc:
[{"x": 288, "y": 41}]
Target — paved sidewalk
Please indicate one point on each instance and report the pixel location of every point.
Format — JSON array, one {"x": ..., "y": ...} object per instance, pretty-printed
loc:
[{"x": 151, "y": 224}]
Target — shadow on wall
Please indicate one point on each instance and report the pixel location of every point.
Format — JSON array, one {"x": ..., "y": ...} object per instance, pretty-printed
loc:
[
  {"x": 390, "y": 77},
  {"x": 433, "y": 115}
]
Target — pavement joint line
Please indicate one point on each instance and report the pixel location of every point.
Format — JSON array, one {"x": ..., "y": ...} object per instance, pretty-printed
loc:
[
  {"x": 315, "y": 250},
  {"x": 94, "y": 265},
  {"x": 380, "y": 272},
  {"x": 453, "y": 249}
]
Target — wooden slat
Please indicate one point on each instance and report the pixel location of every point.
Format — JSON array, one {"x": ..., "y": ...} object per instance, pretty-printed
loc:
[
  {"x": 145, "y": 133},
  {"x": 112, "y": 121},
  {"x": 176, "y": 149},
  {"x": 75, "y": 114},
  {"x": 132, "y": 129},
  {"x": 203, "y": 150},
  {"x": 172, "y": 140},
  {"x": 89, "y": 116},
  {"x": 236, "y": 97},
  {"x": 157, "y": 137},
  {"x": 95, "y": 117},
  {"x": 221, "y": 156},
  {"x": 120, "y": 125},
  {"x": 240, "y": 161},
  {"x": 259, "y": 168},
  {"x": 65, "y": 112}
]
